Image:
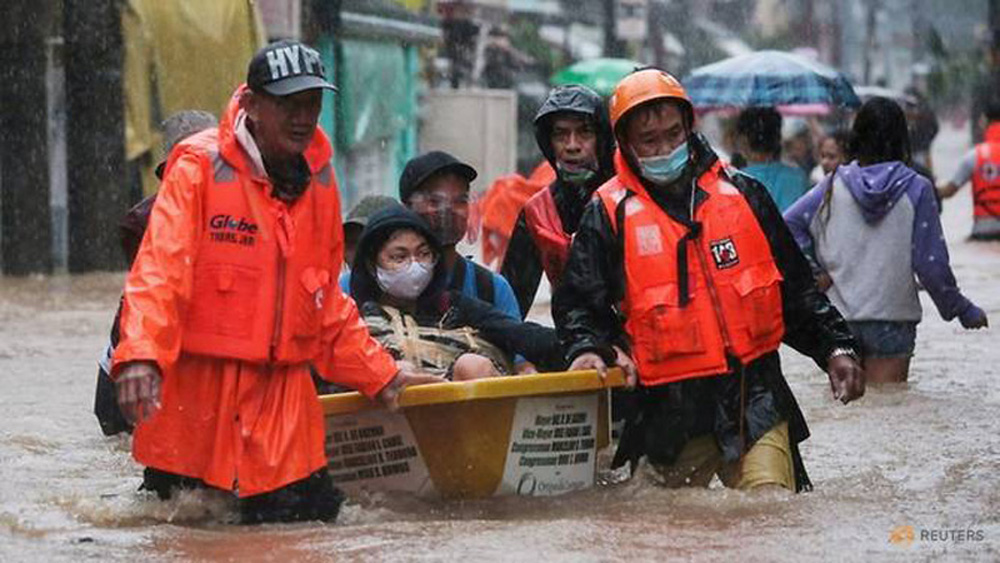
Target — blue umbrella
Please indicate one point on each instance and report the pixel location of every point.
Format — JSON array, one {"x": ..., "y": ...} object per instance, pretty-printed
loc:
[{"x": 768, "y": 78}]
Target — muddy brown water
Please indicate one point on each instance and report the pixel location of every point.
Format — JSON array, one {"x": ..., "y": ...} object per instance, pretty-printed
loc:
[{"x": 925, "y": 454}]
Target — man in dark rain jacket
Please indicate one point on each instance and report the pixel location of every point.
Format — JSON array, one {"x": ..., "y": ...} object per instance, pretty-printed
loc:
[
  {"x": 573, "y": 132},
  {"x": 689, "y": 266},
  {"x": 132, "y": 228}
]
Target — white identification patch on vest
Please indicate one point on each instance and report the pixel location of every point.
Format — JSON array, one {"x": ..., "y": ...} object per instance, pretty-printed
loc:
[
  {"x": 632, "y": 207},
  {"x": 617, "y": 194},
  {"x": 726, "y": 188},
  {"x": 649, "y": 240},
  {"x": 724, "y": 253}
]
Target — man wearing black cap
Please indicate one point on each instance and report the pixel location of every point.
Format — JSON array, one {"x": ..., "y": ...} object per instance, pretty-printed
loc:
[
  {"x": 233, "y": 297},
  {"x": 436, "y": 186}
]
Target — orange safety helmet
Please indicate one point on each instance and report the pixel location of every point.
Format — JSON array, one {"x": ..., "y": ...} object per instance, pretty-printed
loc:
[{"x": 644, "y": 86}]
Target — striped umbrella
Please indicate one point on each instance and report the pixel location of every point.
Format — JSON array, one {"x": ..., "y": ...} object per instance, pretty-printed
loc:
[{"x": 769, "y": 78}]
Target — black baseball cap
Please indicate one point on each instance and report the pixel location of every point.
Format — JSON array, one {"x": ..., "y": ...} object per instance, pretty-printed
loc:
[
  {"x": 287, "y": 67},
  {"x": 420, "y": 168}
]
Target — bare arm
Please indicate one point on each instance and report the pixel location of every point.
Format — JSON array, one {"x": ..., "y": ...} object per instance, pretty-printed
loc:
[
  {"x": 947, "y": 190},
  {"x": 962, "y": 176}
]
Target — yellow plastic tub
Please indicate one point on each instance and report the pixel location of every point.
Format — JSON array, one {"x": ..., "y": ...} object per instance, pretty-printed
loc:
[{"x": 533, "y": 435}]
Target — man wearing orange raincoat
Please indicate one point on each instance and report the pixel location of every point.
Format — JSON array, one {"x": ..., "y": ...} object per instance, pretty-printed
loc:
[{"x": 232, "y": 297}]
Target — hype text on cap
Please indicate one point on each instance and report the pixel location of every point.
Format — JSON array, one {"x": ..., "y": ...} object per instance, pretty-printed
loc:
[{"x": 287, "y": 67}]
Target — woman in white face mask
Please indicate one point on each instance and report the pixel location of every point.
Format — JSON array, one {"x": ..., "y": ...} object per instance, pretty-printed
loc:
[
  {"x": 398, "y": 281},
  {"x": 404, "y": 268}
]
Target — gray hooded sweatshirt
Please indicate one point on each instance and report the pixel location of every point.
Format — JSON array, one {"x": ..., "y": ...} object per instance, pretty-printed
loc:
[{"x": 879, "y": 229}]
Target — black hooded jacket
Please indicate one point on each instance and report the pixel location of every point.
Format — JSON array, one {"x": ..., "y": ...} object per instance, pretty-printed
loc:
[
  {"x": 522, "y": 265},
  {"x": 438, "y": 306},
  {"x": 381, "y": 225},
  {"x": 585, "y": 309}
]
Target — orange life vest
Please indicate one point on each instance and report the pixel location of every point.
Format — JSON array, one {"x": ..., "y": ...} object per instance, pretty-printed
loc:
[
  {"x": 496, "y": 212},
  {"x": 261, "y": 267},
  {"x": 732, "y": 305},
  {"x": 986, "y": 175},
  {"x": 546, "y": 230}
]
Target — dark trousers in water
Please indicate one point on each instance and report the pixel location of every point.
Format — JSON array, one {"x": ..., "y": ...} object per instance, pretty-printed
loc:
[{"x": 313, "y": 498}]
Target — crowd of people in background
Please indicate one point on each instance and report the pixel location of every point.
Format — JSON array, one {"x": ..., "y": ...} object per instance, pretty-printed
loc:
[
  {"x": 871, "y": 230},
  {"x": 685, "y": 270}
]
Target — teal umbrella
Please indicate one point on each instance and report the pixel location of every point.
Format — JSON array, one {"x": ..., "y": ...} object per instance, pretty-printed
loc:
[{"x": 601, "y": 75}]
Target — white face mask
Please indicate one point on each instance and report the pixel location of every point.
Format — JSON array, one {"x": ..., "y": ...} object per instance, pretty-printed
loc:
[
  {"x": 407, "y": 282},
  {"x": 663, "y": 169}
]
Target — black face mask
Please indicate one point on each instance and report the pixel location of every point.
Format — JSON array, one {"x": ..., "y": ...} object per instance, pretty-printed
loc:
[{"x": 447, "y": 227}]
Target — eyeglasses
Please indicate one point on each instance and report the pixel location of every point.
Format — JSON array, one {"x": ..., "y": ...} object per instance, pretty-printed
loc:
[
  {"x": 434, "y": 202},
  {"x": 403, "y": 259}
]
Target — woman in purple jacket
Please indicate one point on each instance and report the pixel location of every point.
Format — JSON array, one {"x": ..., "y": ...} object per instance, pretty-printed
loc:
[{"x": 868, "y": 228}]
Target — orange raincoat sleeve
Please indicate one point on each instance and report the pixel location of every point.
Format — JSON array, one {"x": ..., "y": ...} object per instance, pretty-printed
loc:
[
  {"x": 350, "y": 357},
  {"x": 159, "y": 285}
]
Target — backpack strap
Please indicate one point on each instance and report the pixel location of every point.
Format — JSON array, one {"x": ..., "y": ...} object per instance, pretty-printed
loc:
[
  {"x": 484, "y": 280},
  {"x": 484, "y": 283},
  {"x": 458, "y": 276}
]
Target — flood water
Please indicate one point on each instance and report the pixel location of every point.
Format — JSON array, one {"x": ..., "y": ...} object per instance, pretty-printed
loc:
[{"x": 926, "y": 455}]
